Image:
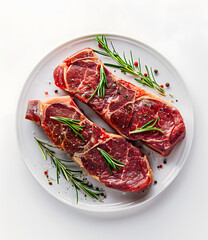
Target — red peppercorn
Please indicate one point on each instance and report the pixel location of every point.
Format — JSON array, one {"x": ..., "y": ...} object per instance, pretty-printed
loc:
[
  {"x": 46, "y": 172},
  {"x": 136, "y": 64},
  {"x": 46, "y": 93},
  {"x": 161, "y": 86},
  {"x": 99, "y": 45},
  {"x": 161, "y": 166},
  {"x": 145, "y": 74}
]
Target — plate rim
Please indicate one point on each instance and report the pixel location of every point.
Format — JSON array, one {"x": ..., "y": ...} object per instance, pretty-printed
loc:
[{"x": 106, "y": 209}]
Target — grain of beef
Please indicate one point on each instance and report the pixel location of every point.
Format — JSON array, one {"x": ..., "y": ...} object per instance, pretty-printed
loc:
[
  {"x": 134, "y": 177},
  {"x": 125, "y": 107}
]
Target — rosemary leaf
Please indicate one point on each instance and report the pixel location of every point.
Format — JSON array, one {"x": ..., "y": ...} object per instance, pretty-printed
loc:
[
  {"x": 111, "y": 162},
  {"x": 100, "y": 89},
  {"x": 147, "y": 127},
  {"x": 101, "y": 53},
  {"x": 41, "y": 149},
  {"x": 71, "y": 123},
  {"x": 128, "y": 66},
  {"x": 68, "y": 173},
  {"x": 112, "y": 65}
]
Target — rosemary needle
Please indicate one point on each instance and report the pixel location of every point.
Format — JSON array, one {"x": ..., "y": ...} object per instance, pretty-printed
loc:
[
  {"x": 128, "y": 66},
  {"x": 111, "y": 162},
  {"x": 100, "y": 89},
  {"x": 71, "y": 123},
  {"x": 147, "y": 127},
  {"x": 67, "y": 173}
]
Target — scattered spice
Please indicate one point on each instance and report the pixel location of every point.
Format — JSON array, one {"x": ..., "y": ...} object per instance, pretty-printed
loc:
[
  {"x": 49, "y": 82},
  {"x": 127, "y": 66},
  {"x": 126, "y": 96},
  {"x": 46, "y": 172},
  {"x": 162, "y": 86},
  {"x": 99, "y": 45},
  {"x": 176, "y": 100},
  {"x": 155, "y": 71},
  {"x": 49, "y": 182},
  {"x": 171, "y": 95},
  {"x": 167, "y": 84},
  {"x": 165, "y": 161},
  {"x": 88, "y": 85},
  {"x": 118, "y": 93},
  {"x": 172, "y": 101},
  {"x": 145, "y": 115},
  {"x": 155, "y": 182},
  {"x": 151, "y": 105},
  {"x": 46, "y": 93},
  {"x": 136, "y": 64},
  {"x": 56, "y": 91},
  {"x": 159, "y": 166}
]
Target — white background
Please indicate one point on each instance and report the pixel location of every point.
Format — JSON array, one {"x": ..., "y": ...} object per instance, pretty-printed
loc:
[{"x": 31, "y": 29}]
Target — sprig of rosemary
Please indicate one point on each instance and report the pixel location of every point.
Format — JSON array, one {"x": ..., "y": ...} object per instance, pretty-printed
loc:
[
  {"x": 71, "y": 123},
  {"x": 67, "y": 173},
  {"x": 147, "y": 127},
  {"x": 128, "y": 66},
  {"x": 111, "y": 162},
  {"x": 102, "y": 84}
]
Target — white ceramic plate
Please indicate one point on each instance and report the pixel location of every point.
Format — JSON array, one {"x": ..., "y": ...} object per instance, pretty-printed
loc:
[{"x": 41, "y": 81}]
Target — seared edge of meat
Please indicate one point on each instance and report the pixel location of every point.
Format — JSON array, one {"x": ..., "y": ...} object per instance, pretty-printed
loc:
[
  {"x": 79, "y": 74},
  {"x": 135, "y": 176}
]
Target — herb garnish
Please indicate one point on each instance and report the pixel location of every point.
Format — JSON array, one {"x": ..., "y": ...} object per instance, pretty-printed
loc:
[
  {"x": 72, "y": 123},
  {"x": 128, "y": 66},
  {"x": 147, "y": 127},
  {"x": 67, "y": 173},
  {"x": 100, "y": 89},
  {"x": 111, "y": 162}
]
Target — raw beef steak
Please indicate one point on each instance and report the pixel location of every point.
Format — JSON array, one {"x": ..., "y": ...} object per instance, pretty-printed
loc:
[
  {"x": 125, "y": 107},
  {"x": 134, "y": 177}
]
